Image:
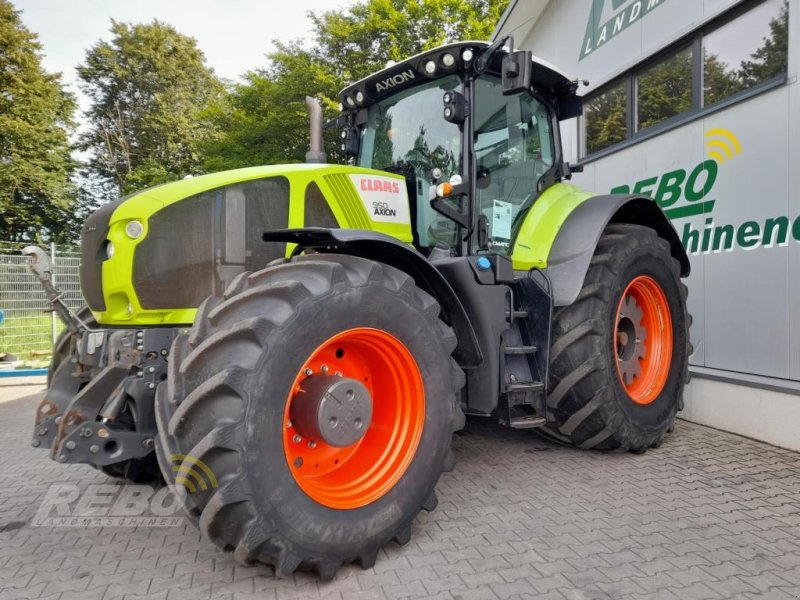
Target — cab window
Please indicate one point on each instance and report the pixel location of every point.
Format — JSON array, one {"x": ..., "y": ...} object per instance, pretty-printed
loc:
[{"x": 513, "y": 142}]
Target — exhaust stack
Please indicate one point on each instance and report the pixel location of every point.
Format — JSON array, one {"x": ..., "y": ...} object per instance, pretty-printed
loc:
[{"x": 315, "y": 153}]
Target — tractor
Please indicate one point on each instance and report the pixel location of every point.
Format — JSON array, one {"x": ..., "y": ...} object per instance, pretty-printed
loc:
[{"x": 295, "y": 345}]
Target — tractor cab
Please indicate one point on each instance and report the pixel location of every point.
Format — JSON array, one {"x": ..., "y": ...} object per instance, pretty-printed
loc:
[{"x": 473, "y": 128}]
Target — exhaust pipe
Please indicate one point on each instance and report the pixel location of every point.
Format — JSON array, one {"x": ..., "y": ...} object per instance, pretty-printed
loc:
[{"x": 315, "y": 153}]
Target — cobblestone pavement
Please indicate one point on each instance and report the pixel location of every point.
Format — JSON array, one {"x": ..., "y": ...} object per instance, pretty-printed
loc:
[{"x": 708, "y": 515}]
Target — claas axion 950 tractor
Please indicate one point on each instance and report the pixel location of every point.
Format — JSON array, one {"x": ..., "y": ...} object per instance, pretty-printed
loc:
[{"x": 306, "y": 338}]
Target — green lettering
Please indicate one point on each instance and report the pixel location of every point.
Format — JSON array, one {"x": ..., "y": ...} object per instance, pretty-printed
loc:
[
  {"x": 796, "y": 229},
  {"x": 769, "y": 238},
  {"x": 621, "y": 189},
  {"x": 707, "y": 234},
  {"x": 691, "y": 239},
  {"x": 719, "y": 232},
  {"x": 669, "y": 190},
  {"x": 640, "y": 186},
  {"x": 711, "y": 169},
  {"x": 749, "y": 235}
]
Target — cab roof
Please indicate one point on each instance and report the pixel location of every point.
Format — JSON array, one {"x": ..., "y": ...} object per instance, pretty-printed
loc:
[{"x": 446, "y": 59}]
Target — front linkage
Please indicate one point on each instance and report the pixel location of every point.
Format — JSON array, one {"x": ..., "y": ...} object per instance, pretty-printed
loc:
[{"x": 98, "y": 408}]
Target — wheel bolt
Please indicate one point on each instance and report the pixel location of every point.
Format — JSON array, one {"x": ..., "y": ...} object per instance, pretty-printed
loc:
[
  {"x": 288, "y": 424},
  {"x": 338, "y": 373},
  {"x": 297, "y": 439},
  {"x": 70, "y": 445},
  {"x": 312, "y": 444},
  {"x": 308, "y": 371},
  {"x": 324, "y": 368},
  {"x": 298, "y": 462}
]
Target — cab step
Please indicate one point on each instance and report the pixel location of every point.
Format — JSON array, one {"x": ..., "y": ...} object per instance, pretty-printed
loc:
[
  {"x": 527, "y": 422},
  {"x": 521, "y": 349},
  {"x": 525, "y": 386}
]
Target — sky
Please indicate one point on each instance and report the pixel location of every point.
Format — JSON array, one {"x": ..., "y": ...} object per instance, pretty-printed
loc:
[{"x": 234, "y": 34}]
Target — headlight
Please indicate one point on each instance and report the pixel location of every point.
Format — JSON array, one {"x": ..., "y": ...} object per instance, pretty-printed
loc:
[
  {"x": 134, "y": 229},
  {"x": 109, "y": 249},
  {"x": 448, "y": 60},
  {"x": 430, "y": 67}
]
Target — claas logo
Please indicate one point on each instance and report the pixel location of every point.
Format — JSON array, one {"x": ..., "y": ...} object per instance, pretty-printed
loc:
[{"x": 192, "y": 473}]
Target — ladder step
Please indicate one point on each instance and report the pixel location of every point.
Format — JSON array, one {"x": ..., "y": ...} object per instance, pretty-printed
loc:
[
  {"x": 525, "y": 386},
  {"x": 520, "y": 314},
  {"x": 521, "y": 349},
  {"x": 527, "y": 422}
]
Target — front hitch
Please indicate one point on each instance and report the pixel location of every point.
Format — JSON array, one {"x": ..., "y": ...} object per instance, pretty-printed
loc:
[{"x": 40, "y": 265}]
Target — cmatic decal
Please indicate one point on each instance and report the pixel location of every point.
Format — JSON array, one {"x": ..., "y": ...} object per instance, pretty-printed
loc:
[
  {"x": 385, "y": 198},
  {"x": 682, "y": 193},
  {"x": 599, "y": 32}
]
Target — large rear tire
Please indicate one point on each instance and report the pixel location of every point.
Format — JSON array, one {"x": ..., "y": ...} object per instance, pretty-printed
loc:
[
  {"x": 619, "y": 357},
  {"x": 231, "y": 409}
]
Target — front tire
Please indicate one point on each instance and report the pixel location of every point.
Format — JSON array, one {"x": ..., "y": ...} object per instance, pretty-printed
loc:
[
  {"x": 283, "y": 496},
  {"x": 618, "y": 361}
]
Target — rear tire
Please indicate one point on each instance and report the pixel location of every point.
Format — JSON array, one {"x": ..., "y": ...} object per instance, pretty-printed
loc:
[
  {"x": 225, "y": 405},
  {"x": 603, "y": 395}
]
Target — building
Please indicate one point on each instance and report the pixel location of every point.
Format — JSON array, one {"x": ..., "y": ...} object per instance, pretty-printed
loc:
[{"x": 696, "y": 103}]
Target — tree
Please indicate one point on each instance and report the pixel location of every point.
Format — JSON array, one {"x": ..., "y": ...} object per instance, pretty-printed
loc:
[
  {"x": 150, "y": 89},
  {"x": 35, "y": 120},
  {"x": 265, "y": 119},
  {"x": 772, "y": 58}
]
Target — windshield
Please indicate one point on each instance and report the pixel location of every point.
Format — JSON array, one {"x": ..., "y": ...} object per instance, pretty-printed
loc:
[{"x": 406, "y": 133}]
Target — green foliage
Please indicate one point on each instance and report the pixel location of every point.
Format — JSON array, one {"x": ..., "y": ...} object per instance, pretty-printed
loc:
[
  {"x": 665, "y": 89},
  {"x": 771, "y": 59},
  {"x": 35, "y": 118},
  {"x": 264, "y": 119},
  {"x": 150, "y": 90}
]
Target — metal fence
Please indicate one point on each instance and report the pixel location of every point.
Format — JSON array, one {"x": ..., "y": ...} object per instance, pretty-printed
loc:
[{"x": 29, "y": 327}]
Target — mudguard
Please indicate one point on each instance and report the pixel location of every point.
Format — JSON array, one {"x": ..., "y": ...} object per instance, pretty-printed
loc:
[
  {"x": 574, "y": 245},
  {"x": 386, "y": 249}
]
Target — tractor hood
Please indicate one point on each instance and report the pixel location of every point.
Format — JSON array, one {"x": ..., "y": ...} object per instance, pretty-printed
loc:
[{"x": 151, "y": 258}]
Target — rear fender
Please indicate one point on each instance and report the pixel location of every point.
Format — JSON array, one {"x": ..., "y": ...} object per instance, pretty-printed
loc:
[
  {"x": 575, "y": 243},
  {"x": 386, "y": 249}
]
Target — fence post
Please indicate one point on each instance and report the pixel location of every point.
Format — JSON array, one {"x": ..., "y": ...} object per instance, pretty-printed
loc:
[{"x": 53, "y": 323}]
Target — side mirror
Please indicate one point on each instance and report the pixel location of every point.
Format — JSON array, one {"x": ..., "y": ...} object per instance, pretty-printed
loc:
[{"x": 517, "y": 71}]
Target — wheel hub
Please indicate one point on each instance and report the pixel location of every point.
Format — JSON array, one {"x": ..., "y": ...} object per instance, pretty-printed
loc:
[
  {"x": 631, "y": 338},
  {"x": 335, "y": 410}
]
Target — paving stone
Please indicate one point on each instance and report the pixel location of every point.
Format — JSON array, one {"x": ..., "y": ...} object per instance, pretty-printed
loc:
[{"x": 708, "y": 515}]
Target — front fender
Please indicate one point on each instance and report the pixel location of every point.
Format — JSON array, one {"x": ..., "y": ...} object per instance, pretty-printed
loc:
[{"x": 386, "y": 249}]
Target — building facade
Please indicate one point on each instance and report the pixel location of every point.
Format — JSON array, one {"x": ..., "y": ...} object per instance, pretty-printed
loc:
[{"x": 696, "y": 104}]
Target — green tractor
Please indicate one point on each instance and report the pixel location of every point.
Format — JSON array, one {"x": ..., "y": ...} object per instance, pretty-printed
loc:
[{"x": 308, "y": 337}]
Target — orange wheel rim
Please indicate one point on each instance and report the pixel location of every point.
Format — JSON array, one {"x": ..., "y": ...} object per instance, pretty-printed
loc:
[
  {"x": 643, "y": 339},
  {"x": 357, "y": 474}
]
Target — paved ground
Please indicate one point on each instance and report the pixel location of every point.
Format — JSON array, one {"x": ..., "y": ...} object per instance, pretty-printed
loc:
[{"x": 709, "y": 515}]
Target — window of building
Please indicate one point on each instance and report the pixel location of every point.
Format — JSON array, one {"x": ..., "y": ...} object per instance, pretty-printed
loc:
[
  {"x": 744, "y": 50},
  {"x": 664, "y": 90},
  {"x": 605, "y": 118}
]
